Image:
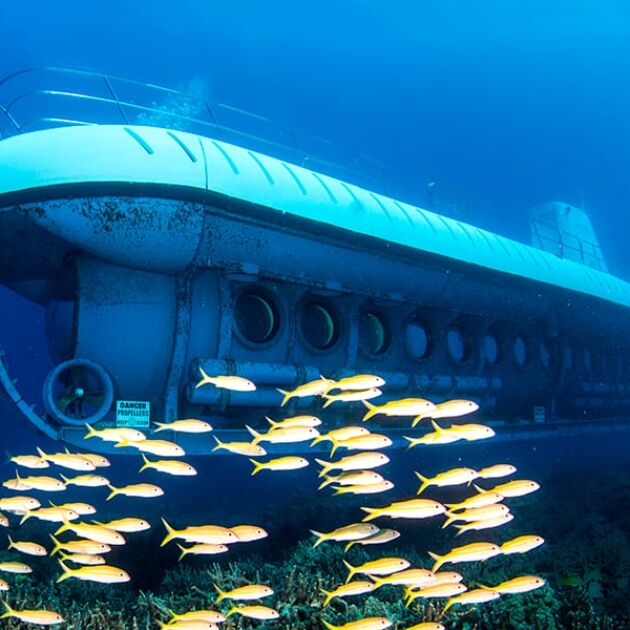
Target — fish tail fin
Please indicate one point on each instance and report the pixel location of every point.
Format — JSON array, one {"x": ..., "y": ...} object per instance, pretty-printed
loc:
[
  {"x": 317, "y": 440},
  {"x": 436, "y": 427},
  {"x": 372, "y": 513},
  {"x": 220, "y": 594},
  {"x": 91, "y": 432},
  {"x": 271, "y": 422},
  {"x": 479, "y": 489},
  {"x": 285, "y": 396},
  {"x": 161, "y": 426},
  {"x": 410, "y": 440},
  {"x": 329, "y": 596},
  {"x": 113, "y": 493},
  {"x": 371, "y": 410},
  {"x": 424, "y": 483},
  {"x": 66, "y": 572},
  {"x": 460, "y": 530},
  {"x": 122, "y": 444},
  {"x": 329, "y": 400},
  {"x": 449, "y": 603},
  {"x": 9, "y": 612},
  {"x": 320, "y": 538},
  {"x": 258, "y": 466},
  {"x": 41, "y": 453},
  {"x": 484, "y": 587},
  {"x": 326, "y": 467},
  {"x": 257, "y": 436},
  {"x": 11, "y": 543},
  {"x": 439, "y": 561},
  {"x": 230, "y": 612},
  {"x": 351, "y": 570},
  {"x": 219, "y": 443},
  {"x": 327, "y": 481},
  {"x": 329, "y": 625},
  {"x": 350, "y": 545},
  {"x": 170, "y": 533},
  {"x": 204, "y": 378},
  {"x": 146, "y": 463},
  {"x": 65, "y": 479},
  {"x": 26, "y": 516},
  {"x": 57, "y": 546},
  {"x": 335, "y": 445},
  {"x": 340, "y": 490},
  {"x": 183, "y": 553},
  {"x": 450, "y": 518},
  {"x": 417, "y": 419}
]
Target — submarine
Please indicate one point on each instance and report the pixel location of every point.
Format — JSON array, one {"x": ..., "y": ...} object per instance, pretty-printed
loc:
[{"x": 161, "y": 241}]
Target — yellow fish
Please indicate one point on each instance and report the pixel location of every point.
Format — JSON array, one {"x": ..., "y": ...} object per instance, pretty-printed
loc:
[
  {"x": 511, "y": 489},
  {"x": 51, "y": 515},
  {"x": 522, "y": 584},
  {"x": 428, "y": 625},
  {"x": 468, "y": 432},
  {"x": 189, "y": 425},
  {"x": 4, "y": 521},
  {"x": 381, "y": 537},
  {"x": 4, "y": 586},
  {"x": 521, "y": 544},
  {"x": 477, "y": 514},
  {"x": 353, "y": 478},
  {"x": 441, "y": 578},
  {"x": 453, "y": 477},
  {"x": 201, "y": 550},
  {"x": 477, "y": 500},
  {"x": 312, "y": 388},
  {"x": 15, "y": 567},
  {"x": 19, "y": 504},
  {"x": 373, "y": 488},
  {"x": 476, "y": 596},
  {"x": 370, "y": 442},
  {"x": 104, "y": 574},
  {"x": 281, "y": 463},
  {"x": 211, "y": 616},
  {"x": 346, "y": 590},
  {"x": 99, "y": 461},
  {"x": 44, "y": 484},
  {"x": 441, "y": 590},
  {"x": 359, "y": 382},
  {"x": 368, "y": 623},
  {"x": 498, "y": 470},
  {"x": 86, "y": 559},
  {"x": 241, "y": 448},
  {"x": 80, "y": 546},
  {"x": 382, "y": 566},
  {"x": 284, "y": 435},
  {"x": 355, "y": 531},
  {"x": 68, "y": 460},
  {"x": 436, "y": 437},
  {"x": 244, "y": 593},
  {"x": 195, "y": 624},
  {"x": 402, "y": 407},
  {"x": 126, "y": 525},
  {"x": 82, "y": 509},
  {"x": 86, "y": 481},
  {"x": 96, "y": 533},
  {"x": 486, "y": 524},
  {"x": 294, "y": 421},
  {"x": 169, "y": 466},
  {"x": 351, "y": 396},
  {"x": 28, "y": 548},
  {"x": 16, "y": 484},
  {"x": 34, "y": 617},
  {"x": 344, "y": 433},
  {"x": 232, "y": 383},
  {"x": 248, "y": 533},
  {"x": 453, "y": 409},
  {"x": 468, "y": 553},
  {"x": 413, "y": 508},
  {"x": 163, "y": 448},
  {"x": 207, "y": 534},
  {"x": 408, "y": 577},
  {"x": 29, "y": 461},
  {"x": 118, "y": 434},
  {"x": 254, "y": 612},
  {"x": 354, "y": 462},
  {"x": 141, "y": 490}
]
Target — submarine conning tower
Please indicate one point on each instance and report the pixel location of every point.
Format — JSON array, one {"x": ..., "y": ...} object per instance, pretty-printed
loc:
[{"x": 157, "y": 251}]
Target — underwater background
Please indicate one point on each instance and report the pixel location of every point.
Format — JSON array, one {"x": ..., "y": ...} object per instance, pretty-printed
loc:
[{"x": 501, "y": 106}]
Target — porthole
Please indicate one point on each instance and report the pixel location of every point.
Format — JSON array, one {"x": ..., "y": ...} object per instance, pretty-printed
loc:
[
  {"x": 417, "y": 339},
  {"x": 490, "y": 349},
  {"x": 256, "y": 316},
  {"x": 319, "y": 325},
  {"x": 374, "y": 333},
  {"x": 520, "y": 351},
  {"x": 545, "y": 355},
  {"x": 456, "y": 344}
]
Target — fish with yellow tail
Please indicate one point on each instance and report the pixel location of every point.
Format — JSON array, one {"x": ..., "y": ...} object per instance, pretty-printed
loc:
[
  {"x": 476, "y": 596},
  {"x": 477, "y": 514},
  {"x": 359, "y": 382},
  {"x": 34, "y": 617},
  {"x": 522, "y": 584},
  {"x": 195, "y": 624},
  {"x": 162, "y": 448},
  {"x": 521, "y": 544},
  {"x": 369, "y": 623},
  {"x": 211, "y": 616},
  {"x": 201, "y": 550},
  {"x": 347, "y": 590},
  {"x": 263, "y": 613},
  {"x": 249, "y": 449},
  {"x": 408, "y": 577},
  {"x": 244, "y": 593},
  {"x": 517, "y": 488},
  {"x": 411, "y": 509},
  {"x": 382, "y": 566},
  {"x": 449, "y": 409},
  {"x": 449, "y": 589},
  {"x": 232, "y": 383},
  {"x": 353, "y": 478},
  {"x": 381, "y": 537},
  {"x": 476, "y": 501},
  {"x": 403, "y": 407},
  {"x": 15, "y": 567},
  {"x": 355, "y": 531},
  {"x": 29, "y": 461},
  {"x": 103, "y": 574},
  {"x": 318, "y": 387},
  {"x": 370, "y": 442},
  {"x": 496, "y": 471},
  {"x": 188, "y": 425},
  {"x": 284, "y": 435},
  {"x": 16, "y": 484},
  {"x": 43, "y": 484},
  {"x": 344, "y": 433},
  {"x": 86, "y": 481},
  {"x": 96, "y": 533},
  {"x": 351, "y": 396},
  {"x": 372, "y": 488},
  {"x": 72, "y": 461},
  {"x": 86, "y": 559},
  {"x": 281, "y": 463},
  {"x": 427, "y": 625},
  {"x": 27, "y": 548},
  {"x": 468, "y": 553},
  {"x": 294, "y": 421},
  {"x": 439, "y": 579},
  {"x": 435, "y": 437},
  {"x": 205, "y": 534},
  {"x": 128, "y": 525},
  {"x": 18, "y": 505},
  {"x": 172, "y": 467},
  {"x": 468, "y": 432},
  {"x": 248, "y": 533},
  {"x": 354, "y": 462},
  {"x": 140, "y": 490},
  {"x": 79, "y": 546},
  {"x": 453, "y": 477},
  {"x": 51, "y": 515},
  {"x": 115, "y": 434},
  {"x": 487, "y": 524},
  {"x": 82, "y": 509},
  {"x": 99, "y": 461}
]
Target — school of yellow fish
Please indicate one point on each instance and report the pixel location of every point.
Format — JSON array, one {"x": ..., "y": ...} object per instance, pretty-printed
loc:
[{"x": 82, "y": 557}]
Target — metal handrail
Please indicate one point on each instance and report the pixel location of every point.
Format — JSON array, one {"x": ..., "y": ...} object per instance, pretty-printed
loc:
[{"x": 28, "y": 107}]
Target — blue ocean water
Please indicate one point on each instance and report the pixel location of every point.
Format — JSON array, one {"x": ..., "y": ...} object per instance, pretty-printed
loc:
[{"x": 500, "y": 106}]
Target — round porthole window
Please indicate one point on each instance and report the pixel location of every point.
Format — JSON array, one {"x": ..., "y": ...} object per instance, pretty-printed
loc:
[
  {"x": 490, "y": 349},
  {"x": 545, "y": 355},
  {"x": 520, "y": 351},
  {"x": 456, "y": 344},
  {"x": 417, "y": 339},
  {"x": 256, "y": 317},
  {"x": 319, "y": 325},
  {"x": 374, "y": 333}
]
